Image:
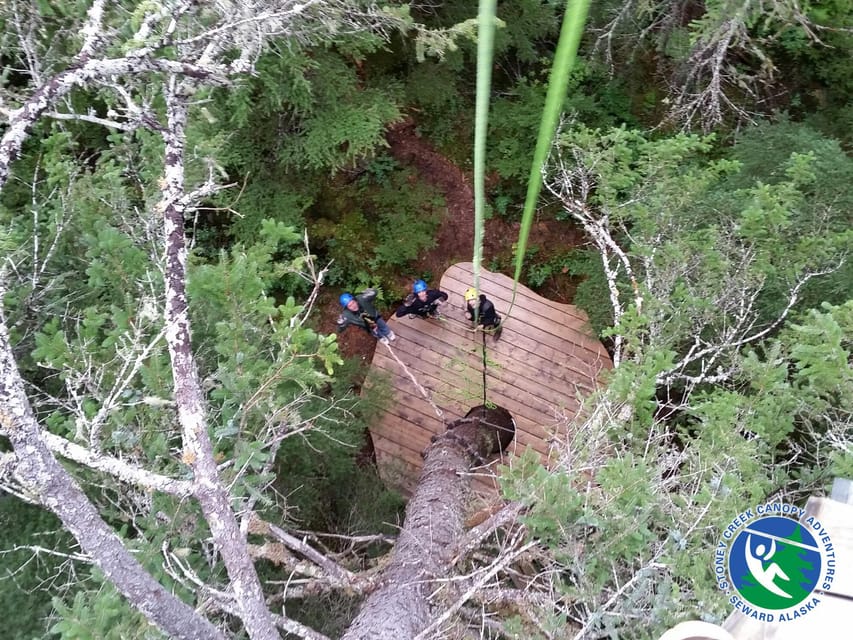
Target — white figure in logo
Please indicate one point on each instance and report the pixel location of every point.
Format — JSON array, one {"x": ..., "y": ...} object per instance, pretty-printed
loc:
[{"x": 755, "y": 563}]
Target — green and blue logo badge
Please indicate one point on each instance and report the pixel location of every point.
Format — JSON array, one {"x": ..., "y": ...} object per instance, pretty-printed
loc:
[{"x": 774, "y": 567}]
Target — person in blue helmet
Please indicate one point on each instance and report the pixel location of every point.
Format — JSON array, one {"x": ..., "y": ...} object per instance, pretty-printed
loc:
[
  {"x": 423, "y": 302},
  {"x": 359, "y": 311}
]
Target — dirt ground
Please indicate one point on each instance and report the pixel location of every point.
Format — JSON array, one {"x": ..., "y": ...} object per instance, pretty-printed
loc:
[{"x": 455, "y": 239}]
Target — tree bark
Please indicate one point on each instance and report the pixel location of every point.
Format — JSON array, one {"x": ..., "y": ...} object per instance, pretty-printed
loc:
[
  {"x": 434, "y": 524},
  {"x": 23, "y": 119},
  {"x": 51, "y": 485},
  {"x": 198, "y": 449}
]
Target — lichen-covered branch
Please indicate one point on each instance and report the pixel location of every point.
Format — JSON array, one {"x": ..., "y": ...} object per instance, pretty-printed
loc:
[
  {"x": 198, "y": 449},
  {"x": 37, "y": 471}
]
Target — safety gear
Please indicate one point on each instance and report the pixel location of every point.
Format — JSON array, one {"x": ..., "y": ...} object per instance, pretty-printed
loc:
[
  {"x": 470, "y": 294},
  {"x": 345, "y": 299},
  {"x": 419, "y": 286}
]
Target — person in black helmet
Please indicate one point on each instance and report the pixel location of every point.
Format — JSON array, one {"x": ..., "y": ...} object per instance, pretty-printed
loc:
[
  {"x": 485, "y": 313},
  {"x": 360, "y": 312},
  {"x": 423, "y": 302}
]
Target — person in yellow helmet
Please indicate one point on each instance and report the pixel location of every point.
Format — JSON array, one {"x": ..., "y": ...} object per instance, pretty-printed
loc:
[{"x": 484, "y": 312}]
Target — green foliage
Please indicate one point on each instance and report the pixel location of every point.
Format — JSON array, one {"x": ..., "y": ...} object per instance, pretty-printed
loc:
[
  {"x": 715, "y": 242},
  {"x": 582, "y": 266},
  {"x": 443, "y": 108},
  {"x": 697, "y": 219},
  {"x": 102, "y": 614},
  {"x": 25, "y": 576},
  {"x": 305, "y": 111},
  {"x": 395, "y": 222}
]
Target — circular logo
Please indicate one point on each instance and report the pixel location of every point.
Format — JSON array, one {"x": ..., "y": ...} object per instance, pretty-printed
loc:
[{"x": 774, "y": 563}]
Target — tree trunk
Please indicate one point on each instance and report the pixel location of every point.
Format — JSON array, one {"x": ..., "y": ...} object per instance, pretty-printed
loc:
[{"x": 400, "y": 608}]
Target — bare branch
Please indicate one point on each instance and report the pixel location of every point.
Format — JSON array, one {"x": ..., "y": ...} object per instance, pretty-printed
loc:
[
  {"x": 506, "y": 515},
  {"x": 23, "y": 118},
  {"x": 92, "y": 31},
  {"x": 738, "y": 340},
  {"x": 297, "y": 629},
  {"x": 338, "y": 574},
  {"x": 498, "y": 565},
  {"x": 37, "y": 470},
  {"x": 119, "y": 469}
]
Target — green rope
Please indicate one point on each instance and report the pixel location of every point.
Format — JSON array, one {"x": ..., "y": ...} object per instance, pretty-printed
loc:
[
  {"x": 485, "y": 51},
  {"x": 564, "y": 58},
  {"x": 485, "y": 364}
]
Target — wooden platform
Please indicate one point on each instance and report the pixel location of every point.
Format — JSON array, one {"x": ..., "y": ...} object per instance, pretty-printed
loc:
[{"x": 546, "y": 359}]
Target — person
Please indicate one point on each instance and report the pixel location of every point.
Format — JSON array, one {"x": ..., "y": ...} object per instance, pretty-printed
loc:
[
  {"x": 765, "y": 576},
  {"x": 359, "y": 311},
  {"x": 485, "y": 312},
  {"x": 423, "y": 302}
]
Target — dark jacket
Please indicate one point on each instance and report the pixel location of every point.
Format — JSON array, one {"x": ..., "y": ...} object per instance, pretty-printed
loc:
[
  {"x": 487, "y": 316},
  {"x": 366, "y": 315},
  {"x": 414, "y": 305}
]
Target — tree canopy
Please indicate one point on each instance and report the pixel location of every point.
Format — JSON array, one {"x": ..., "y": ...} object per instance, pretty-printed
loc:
[{"x": 186, "y": 187}]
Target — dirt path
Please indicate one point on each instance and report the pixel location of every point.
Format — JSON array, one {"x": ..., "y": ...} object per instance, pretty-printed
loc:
[{"x": 456, "y": 234}]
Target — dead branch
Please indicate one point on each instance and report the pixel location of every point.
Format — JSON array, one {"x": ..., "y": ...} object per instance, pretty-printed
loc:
[{"x": 37, "y": 470}]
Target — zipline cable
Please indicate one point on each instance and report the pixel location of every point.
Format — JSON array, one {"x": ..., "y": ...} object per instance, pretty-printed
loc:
[
  {"x": 564, "y": 58},
  {"x": 484, "y": 369}
]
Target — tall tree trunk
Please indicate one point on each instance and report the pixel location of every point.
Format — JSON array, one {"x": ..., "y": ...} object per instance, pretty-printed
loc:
[{"x": 400, "y": 608}]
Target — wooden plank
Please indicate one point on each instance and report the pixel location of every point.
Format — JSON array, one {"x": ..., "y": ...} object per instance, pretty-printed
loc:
[
  {"x": 827, "y": 621},
  {"x": 547, "y": 358},
  {"x": 842, "y": 490},
  {"x": 416, "y": 415},
  {"x": 534, "y": 380},
  {"x": 466, "y": 270},
  {"x": 446, "y": 387},
  {"x": 837, "y": 518},
  {"x": 455, "y": 323},
  {"x": 554, "y": 320},
  {"x": 527, "y": 364},
  {"x": 537, "y": 380},
  {"x": 559, "y": 337},
  {"x": 416, "y": 439},
  {"x": 413, "y": 418},
  {"x": 400, "y": 453},
  {"x": 396, "y": 473}
]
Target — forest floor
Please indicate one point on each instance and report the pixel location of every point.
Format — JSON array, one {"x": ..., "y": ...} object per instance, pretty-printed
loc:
[{"x": 455, "y": 238}]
